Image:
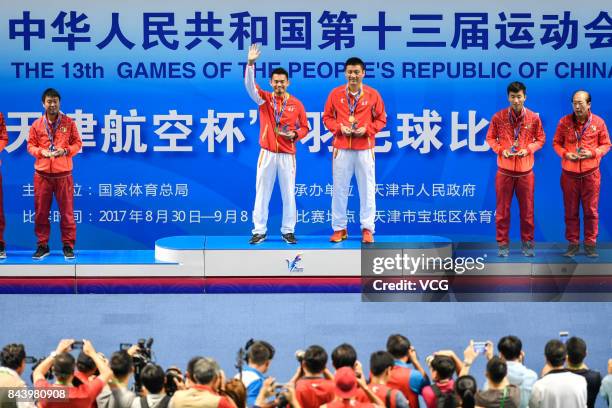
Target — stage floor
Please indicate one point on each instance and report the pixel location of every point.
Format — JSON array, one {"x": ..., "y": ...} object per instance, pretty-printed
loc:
[{"x": 228, "y": 264}]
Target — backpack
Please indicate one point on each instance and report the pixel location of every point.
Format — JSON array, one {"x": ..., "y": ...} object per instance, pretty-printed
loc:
[
  {"x": 162, "y": 404},
  {"x": 444, "y": 399}
]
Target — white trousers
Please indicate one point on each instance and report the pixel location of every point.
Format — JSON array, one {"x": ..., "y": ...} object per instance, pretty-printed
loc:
[
  {"x": 270, "y": 165},
  {"x": 345, "y": 164}
]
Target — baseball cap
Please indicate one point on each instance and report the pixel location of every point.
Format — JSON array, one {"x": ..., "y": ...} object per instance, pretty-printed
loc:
[{"x": 346, "y": 382}]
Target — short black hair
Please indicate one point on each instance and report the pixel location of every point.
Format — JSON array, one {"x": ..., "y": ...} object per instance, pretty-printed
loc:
[
  {"x": 260, "y": 352},
  {"x": 84, "y": 363},
  {"x": 576, "y": 350},
  {"x": 63, "y": 366},
  {"x": 344, "y": 356},
  {"x": 380, "y": 361},
  {"x": 510, "y": 347},
  {"x": 354, "y": 61},
  {"x": 516, "y": 87},
  {"x": 466, "y": 388},
  {"x": 398, "y": 345},
  {"x": 588, "y": 95},
  {"x": 444, "y": 366},
  {"x": 51, "y": 93},
  {"x": 121, "y": 363},
  {"x": 315, "y": 359},
  {"x": 497, "y": 369},
  {"x": 12, "y": 356},
  {"x": 555, "y": 353},
  {"x": 279, "y": 71},
  {"x": 152, "y": 377}
]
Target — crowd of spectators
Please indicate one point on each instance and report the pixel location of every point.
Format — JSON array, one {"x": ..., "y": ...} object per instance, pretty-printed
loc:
[{"x": 396, "y": 378}]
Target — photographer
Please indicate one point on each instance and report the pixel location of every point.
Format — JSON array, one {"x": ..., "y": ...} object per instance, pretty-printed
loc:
[
  {"x": 407, "y": 375},
  {"x": 154, "y": 393},
  {"x": 205, "y": 381},
  {"x": 117, "y": 394},
  {"x": 13, "y": 363},
  {"x": 347, "y": 390},
  {"x": 63, "y": 365},
  {"x": 259, "y": 356},
  {"x": 314, "y": 384}
]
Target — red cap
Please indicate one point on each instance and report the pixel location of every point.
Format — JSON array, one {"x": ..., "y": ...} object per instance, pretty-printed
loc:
[{"x": 346, "y": 382}]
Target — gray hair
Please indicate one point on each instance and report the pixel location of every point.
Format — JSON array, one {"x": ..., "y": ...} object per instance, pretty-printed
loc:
[{"x": 205, "y": 370}]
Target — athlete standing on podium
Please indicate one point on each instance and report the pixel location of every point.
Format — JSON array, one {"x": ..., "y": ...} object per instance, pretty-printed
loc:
[
  {"x": 282, "y": 122},
  {"x": 354, "y": 114}
]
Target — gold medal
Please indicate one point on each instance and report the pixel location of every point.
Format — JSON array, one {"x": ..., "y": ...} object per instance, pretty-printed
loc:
[
  {"x": 516, "y": 143},
  {"x": 351, "y": 119},
  {"x": 276, "y": 129}
]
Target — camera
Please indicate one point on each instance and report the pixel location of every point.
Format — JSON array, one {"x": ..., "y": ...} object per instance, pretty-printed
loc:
[
  {"x": 281, "y": 396},
  {"x": 140, "y": 359},
  {"x": 299, "y": 355},
  {"x": 36, "y": 361}
]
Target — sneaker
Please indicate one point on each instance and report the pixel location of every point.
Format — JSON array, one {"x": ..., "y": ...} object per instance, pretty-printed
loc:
[
  {"x": 257, "y": 239},
  {"x": 2, "y": 250},
  {"x": 339, "y": 236},
  {"x": 289, "y": 238},
  {"x": 503, "y": 251},
  {"x": 572, "y": 250},
  {"x": 41, "y": 252},
  {"x": 68, "y": 252},
  {"x": 591, "y": 251},
  {"x": 527, "y": 247},
  {"x": 366, "y": 236}
]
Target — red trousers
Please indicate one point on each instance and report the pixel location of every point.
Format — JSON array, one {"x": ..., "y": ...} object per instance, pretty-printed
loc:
[
  {"x": 505, "y": 188},
  {"x": 63, "y": 188},
  {"x": 2, "y": 221},
  {"x": 585, "y": 191}
]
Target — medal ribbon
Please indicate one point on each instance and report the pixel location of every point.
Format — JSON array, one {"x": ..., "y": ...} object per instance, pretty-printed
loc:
[
  {"x": 352, "y": 106},
  {"x": 279, "y": 115},
  {"x": 584, "y": 128},
  {"x": 516, "y": 125},
  {"x": 52, "y": 129}
]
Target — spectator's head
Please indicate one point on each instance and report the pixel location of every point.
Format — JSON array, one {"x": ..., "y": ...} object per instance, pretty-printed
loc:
[
  {"x": 442, "y": 368},
  {"x": 346, "y": 383},
  {"x": 496, "y": 370},
  {"x": 315, "y": 359},
  {"x": 381, "y": 363},
  {"x": 190, "y": 366},
  {"x": 121, "y": 364},
  {"x": 13, "y": 357},
  {"x": 205, "y": 370},
  {"x": 510, "y": 347},
  {"x": 344, "y": 356},
  {"x": 398, "y": 346},
  {"x": 576, "y": 351},
  {"x": 260, "y": 354},
  {"x": 152, "y": 377},
  {"x": 63, "y": 367},
  {"x": 466, "y": 388},
  {"x": 236, "y": 390},
  {"x": 85, "y": 364},
  {"x": 555, "y": 353}
]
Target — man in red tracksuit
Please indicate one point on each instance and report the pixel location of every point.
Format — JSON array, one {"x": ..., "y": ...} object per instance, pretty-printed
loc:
[
  {"x": 283, "y": 122},
  {"x": 581, "y": 140},
  {"x": 354, "y": 114},
  {"x": 53, "y": 141},
  {"x": 515, "y": 134},
  {"x": 3, "y": 143}
]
